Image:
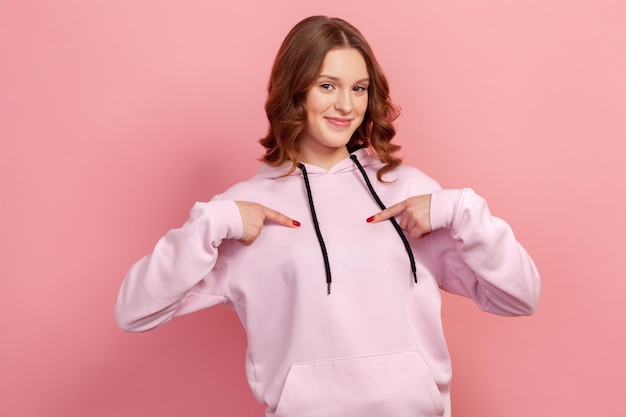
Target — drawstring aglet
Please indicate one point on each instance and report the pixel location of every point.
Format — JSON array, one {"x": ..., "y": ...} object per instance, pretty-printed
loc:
[{"x": 328, "y": 289}]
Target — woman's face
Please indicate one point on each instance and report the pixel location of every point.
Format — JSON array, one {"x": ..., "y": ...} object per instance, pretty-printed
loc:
[{"x": 335, "y": 105}]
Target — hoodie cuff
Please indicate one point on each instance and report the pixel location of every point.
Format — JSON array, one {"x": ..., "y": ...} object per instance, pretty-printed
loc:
[
  {"x": 443, "y": 205},
  {"x": 227, "y": 219}
]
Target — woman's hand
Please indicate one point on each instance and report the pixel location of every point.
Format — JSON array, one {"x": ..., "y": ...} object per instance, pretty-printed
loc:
[
  {"x": 255, "y": 215},
  {"x": 415, "y": 213}
]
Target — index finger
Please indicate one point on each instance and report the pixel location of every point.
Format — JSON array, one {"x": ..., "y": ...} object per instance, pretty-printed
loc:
[
  {"x": 388, "y": 213},
  {"x": 277, "y": 217}
]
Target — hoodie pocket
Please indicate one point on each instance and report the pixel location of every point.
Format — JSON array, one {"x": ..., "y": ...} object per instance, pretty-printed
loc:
[{"x": 390, "y": 385}]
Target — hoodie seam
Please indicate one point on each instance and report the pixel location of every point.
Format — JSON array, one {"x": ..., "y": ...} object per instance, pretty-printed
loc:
[
  {"x": 226, "y": 289},
  {"x": 348, "y": 358},
  {"x": 228, "y": 298},
  {"x": 451, "y": 231},
  {"x": 457, "y": 208},
  {"x": 431, "y": 250}
]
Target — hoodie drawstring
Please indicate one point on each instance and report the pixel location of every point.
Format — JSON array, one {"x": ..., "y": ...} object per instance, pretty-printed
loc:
[
  {"x": 318, "y": 232},
  {"x": 391, "y": 219}
]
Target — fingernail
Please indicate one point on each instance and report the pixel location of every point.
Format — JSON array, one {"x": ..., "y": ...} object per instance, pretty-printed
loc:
[
  {"x": 370, "y": 219},
  {"x": 296, "y": 223}
]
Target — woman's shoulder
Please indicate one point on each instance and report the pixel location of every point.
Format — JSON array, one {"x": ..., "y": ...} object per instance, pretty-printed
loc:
[
  {"x": 413, "y": 176},
  {"x": 264, "y": 181}
]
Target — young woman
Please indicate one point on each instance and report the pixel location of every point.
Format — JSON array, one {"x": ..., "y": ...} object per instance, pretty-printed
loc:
[{"x": 339, "y": 296}]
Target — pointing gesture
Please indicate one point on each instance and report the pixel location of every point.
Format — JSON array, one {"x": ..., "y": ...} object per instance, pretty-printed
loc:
[
  {"x": 255, "y": 215},
  {"x": 415, "y": 213}
]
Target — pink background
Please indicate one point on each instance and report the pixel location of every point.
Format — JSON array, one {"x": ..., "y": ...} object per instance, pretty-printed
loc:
[{"x": 115, "y": 116}]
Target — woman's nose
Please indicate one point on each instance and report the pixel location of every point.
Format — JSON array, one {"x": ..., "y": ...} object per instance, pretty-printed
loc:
[{"x": 343, "y": 102}]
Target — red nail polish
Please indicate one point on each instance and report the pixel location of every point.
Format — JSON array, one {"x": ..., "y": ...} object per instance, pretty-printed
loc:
[
  {"x": 370, "y": 219},
  {"x": 296, "y": 223}
]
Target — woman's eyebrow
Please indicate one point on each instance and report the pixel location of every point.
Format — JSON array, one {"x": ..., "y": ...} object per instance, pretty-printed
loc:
[{"x": 330, "y": 77}]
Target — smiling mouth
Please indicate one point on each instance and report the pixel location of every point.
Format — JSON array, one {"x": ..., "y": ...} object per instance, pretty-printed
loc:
[{"x": 339, "y": 121}]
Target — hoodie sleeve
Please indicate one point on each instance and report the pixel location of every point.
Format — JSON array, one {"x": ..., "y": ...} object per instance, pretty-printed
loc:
[
  {"x": 480, "y": 257},
  {"x": 163, "y": 284}
]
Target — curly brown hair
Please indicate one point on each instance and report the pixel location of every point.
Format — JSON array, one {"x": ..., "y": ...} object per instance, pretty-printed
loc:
[{"x": 297, "y": 64}]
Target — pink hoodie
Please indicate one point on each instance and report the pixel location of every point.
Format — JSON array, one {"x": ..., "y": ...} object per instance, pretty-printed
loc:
[{"x": 375, "y": 345}]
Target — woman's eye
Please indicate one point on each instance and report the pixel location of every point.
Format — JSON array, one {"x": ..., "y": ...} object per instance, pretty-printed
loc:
[
  {"x": 360, "y": 88},
  {"x": 327, "y": 86}
]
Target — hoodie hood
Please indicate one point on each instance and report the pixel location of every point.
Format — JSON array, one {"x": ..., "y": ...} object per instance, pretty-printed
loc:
[{"x": 342, "y": 167}]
